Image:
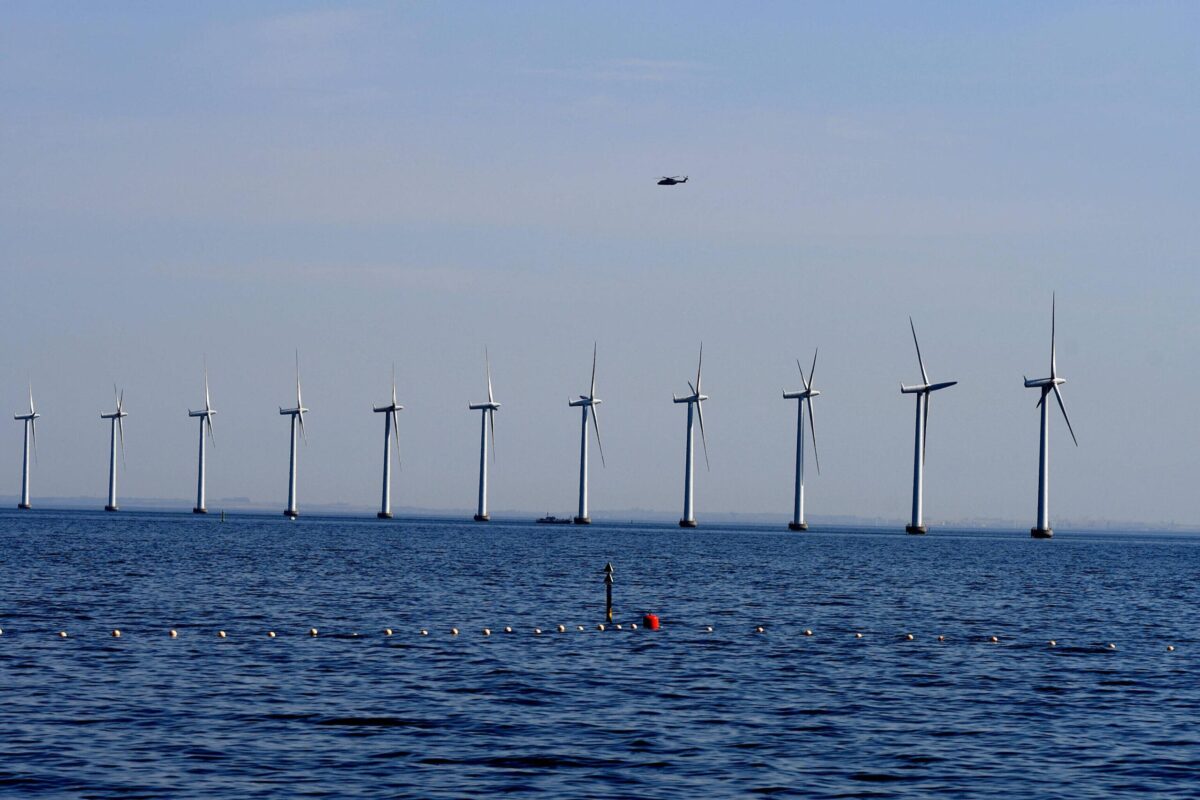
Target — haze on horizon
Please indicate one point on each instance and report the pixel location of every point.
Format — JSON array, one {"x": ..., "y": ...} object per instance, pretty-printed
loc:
[{"x": 373, "y": 183}]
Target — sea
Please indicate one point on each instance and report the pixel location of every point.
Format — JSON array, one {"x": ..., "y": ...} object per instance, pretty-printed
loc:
[{"x": 875, "y": 674}]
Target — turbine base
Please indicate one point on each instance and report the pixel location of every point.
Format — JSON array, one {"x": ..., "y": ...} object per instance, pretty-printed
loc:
[
  {"x": 916, "y": 530},
  {"x": 383, "y": 515},
  {"x": 687, "y": 523},
  {"x": 482, "y": 518},
  {"x": 111, "y": 508},
  {"x": 583, "y": 520},
  {"x": 1041, "y": 533},
  {"x": 199, "y": 510},
  {"x": 797, "y": 526},
  {"x": 24, "y": 506},
  {"x": 290, "y": 514}
]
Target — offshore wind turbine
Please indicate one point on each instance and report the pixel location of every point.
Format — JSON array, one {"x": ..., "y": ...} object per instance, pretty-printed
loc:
[
  {"x": 587, "y": 402},
  {"x": 488, "y": 419},
  {"x": 695, "y": 409},
  {"x": 391, "y": 421},
  {"x": 116, "y": 423},
  {"x": 297, "y": 414},
  {"x": 30, "y": 436},
  {"x": 805, "y": 397},
  {"x": 1047, "y": 385},
  {"x": 205, "y": 420},
  {"x": 922, "y": 391}
]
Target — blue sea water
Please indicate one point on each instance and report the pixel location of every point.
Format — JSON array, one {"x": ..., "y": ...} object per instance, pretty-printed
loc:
[{"x": 677, "y": 713}]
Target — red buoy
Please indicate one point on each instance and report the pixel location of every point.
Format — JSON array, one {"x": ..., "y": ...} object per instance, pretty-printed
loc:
[{"x": 650, "y": 622}]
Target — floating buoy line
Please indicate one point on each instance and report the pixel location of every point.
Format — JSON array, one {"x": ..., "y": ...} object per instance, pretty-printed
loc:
[{"x": 388, "y": 633}]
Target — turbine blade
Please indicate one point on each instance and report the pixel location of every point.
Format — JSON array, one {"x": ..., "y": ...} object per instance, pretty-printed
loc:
[
  {"x": 1053, "y": 315},
  {"x": 921, "y": 361},
  {"x": 33, "y": 435},
  {"x": 699, "y": 368},
  {"x": 487, "y": 361},
  {"x": 298, "y": 403},
  {"x": 396, "y": 436},
  {"x": 812, "y": 428},
  {"x": 393, "y": 383},
  {"x": 592, "y": 395},
  {"x": 703, "y": 440},
  {"x": 207, "y": 403},
  {"x": 121, "y": 429},
  {"x": 211, "y": 437},
  {"x": 924, "y": 427},
  {"x": 303, "y": 434},
  {"x": 693, "y": 388},
  {"x": 803, "y": 380},
  {"x": 31, "y": 411},
  {"x": 599, "y": 444},
  {"x": 491, "y": 412},
  {"x": 1058, "y": 396},
  {"x": 812, "y": 372}
]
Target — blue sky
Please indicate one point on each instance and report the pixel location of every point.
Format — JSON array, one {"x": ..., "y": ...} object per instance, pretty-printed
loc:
[{"x": 385, "y": 182}]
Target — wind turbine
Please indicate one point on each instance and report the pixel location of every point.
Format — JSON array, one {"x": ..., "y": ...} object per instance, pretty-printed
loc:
[
  {"x": 116, "y": 423},
  {"x": 30, "y": 435},
  {"x": 205, "y": 420},
  {"x": 585, "y": 402},
  {"x": 1047, "y": 385},
  {"x": 488, "y": 419},
  {"x": 805, "y": 397},
  {"x": 390, "y": 420},
  {"x": 695, "y": 409},
  {"x": 922, "y": 391},
  {"x": 297, "y": 415}
]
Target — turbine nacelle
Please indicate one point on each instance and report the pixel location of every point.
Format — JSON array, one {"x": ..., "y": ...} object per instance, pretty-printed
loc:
[
  {"x": 1044, "y": 383},
  {"x": 380, "y": 409},
  {"x": 297, "y": 410},
  {"x": 926, "y": 387},
  {"x": 483, "y": 406},
  {"x": 802, "y": 394},
  {"x": 583, "y": 400},
  {"x": 691, "y": 398}
]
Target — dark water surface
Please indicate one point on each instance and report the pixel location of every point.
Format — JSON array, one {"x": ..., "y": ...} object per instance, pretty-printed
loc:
[{"x": 621, "y": 714}]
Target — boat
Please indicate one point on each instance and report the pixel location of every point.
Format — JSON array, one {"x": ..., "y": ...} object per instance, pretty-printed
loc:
[{"x": 550, "y": 519}]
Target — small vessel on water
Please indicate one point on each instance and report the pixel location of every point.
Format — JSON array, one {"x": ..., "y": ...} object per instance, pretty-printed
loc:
[{"x": 550, "y": 519}]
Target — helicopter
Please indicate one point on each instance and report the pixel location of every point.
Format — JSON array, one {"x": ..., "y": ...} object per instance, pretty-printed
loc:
[{"x": 665, "y": 181}]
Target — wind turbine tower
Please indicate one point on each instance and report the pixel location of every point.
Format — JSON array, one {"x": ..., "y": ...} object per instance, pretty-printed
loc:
[
  {"x": 297, "y": 415},
  {"x": 587, "y": 402},
  {"x": 488, "y": 420},
  {"x": 922, "y": 391},
  {"x": 30, "y": 438},
  {"x": 805, "y": 397},
  {"x": 1047, "y": 385},
  {"x": 205, "y": 421},
  {"x": 116, "y": 424},
  {"x": 391, "y": 421},
  {"x": 695, "y": 410}
]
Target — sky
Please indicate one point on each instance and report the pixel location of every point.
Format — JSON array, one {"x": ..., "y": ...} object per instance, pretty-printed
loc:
[{"x": 373, "y": 184}]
